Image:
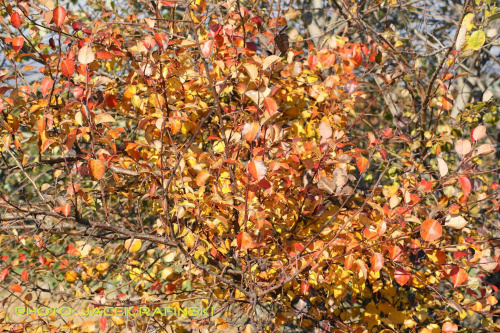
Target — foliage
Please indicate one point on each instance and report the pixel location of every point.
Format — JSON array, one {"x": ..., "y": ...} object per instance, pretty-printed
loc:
[{"x": 191, "y": 154}]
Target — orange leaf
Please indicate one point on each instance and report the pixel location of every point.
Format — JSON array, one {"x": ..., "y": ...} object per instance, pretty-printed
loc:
[
  {"x": 270, "y": 105},
  {"x": 449, "y": 327},
  {"x": 97, "y": 169},
  {"x": 257, "y": 169},
  {"x": 68, "y": 67},
  {"x": 207, "y": 47},
  {"x": 458, "y": 276},
  {"x": 201, "y": 177},
  {"x": 244, "y": 241},
  {"x": 17, "y": 43},
  {"x": 64, "y": 209},
  {"x": 377, "y": 261},
  {"x": 251, "y": 131},
  {"x": 349, "y": 260},
  {"x": 431, "y": 230},
  {"x": 362, "y": 164},
  {"x": 15, "y": 20},
  {"x": 4, "y": 274},
  {"x": 47, "y": 83},
  {"x": 16, "y": 288},
  {"x": 59, "y": 16},
  {"x": 401, "y": 276},
  {"x": 465, "y": 184},
  {"x": 395, "y": 252},
  {"x": 24, "y": 276},
  {"x": 447, "y": 102},
  {"x": 103, "y": 54}
]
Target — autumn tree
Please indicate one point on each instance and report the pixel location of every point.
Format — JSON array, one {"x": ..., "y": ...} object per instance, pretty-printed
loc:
[{"x": 291, "y": 165}]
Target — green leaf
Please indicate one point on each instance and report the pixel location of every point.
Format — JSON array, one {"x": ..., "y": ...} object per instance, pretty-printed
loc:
[{"x": 477, "y": 40}]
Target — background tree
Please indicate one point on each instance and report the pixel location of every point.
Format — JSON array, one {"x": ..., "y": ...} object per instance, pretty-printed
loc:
[{"x": 309, "y": 165}]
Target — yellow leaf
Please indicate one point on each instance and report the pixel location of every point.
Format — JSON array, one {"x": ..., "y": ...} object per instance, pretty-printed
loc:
[
  {"x": 70, "y": 276},
  {"x": 189, "y": 239},
  {"x": 219, "y": 147},
  {"x": 133, "y": 246},
  {"x": 102, "y": 266}
]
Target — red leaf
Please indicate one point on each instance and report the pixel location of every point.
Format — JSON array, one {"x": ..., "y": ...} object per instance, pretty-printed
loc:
[
  {"x": 244, "y": 241},
  {"x": 68, "y": 67},
  {"x": 24, "y": 275},
  {"x": 70, "y": 249},
  {"x": 304, "y": 287},
  {"x": 207, "y": 47},
  {"x": 427, "y": 184},
  {"x": 386, "y": 132},
  {"x": 16, "y": 288},
  {"x": 15, "y": 20},
  {"x": 102, "y": 323},
  {"x": 431, "y": 230},
  {"x": 257, "y": 169},
  {"x": 362, "y": 164},
  {"x": 466, "y": 185},
  {"x": 169, "y": 288},
  {"x": 17, "y": 43},
  {"x": 401, "y": 276},
  {"x": 458, "y": 276},
  {"x": 4, "y": 274},
  {"x": 377, "y": 261},
  {"x": 47, "y": 83},
  {"x": 59, "y": 16}
]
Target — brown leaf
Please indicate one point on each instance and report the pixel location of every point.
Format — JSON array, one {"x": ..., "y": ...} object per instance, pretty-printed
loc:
[
  {"x": 325, "y": 130},
  {"x": 104, "y": 118}
]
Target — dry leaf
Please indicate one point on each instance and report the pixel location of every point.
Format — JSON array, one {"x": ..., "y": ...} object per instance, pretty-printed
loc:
[{"x": 86, "y": 55}]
